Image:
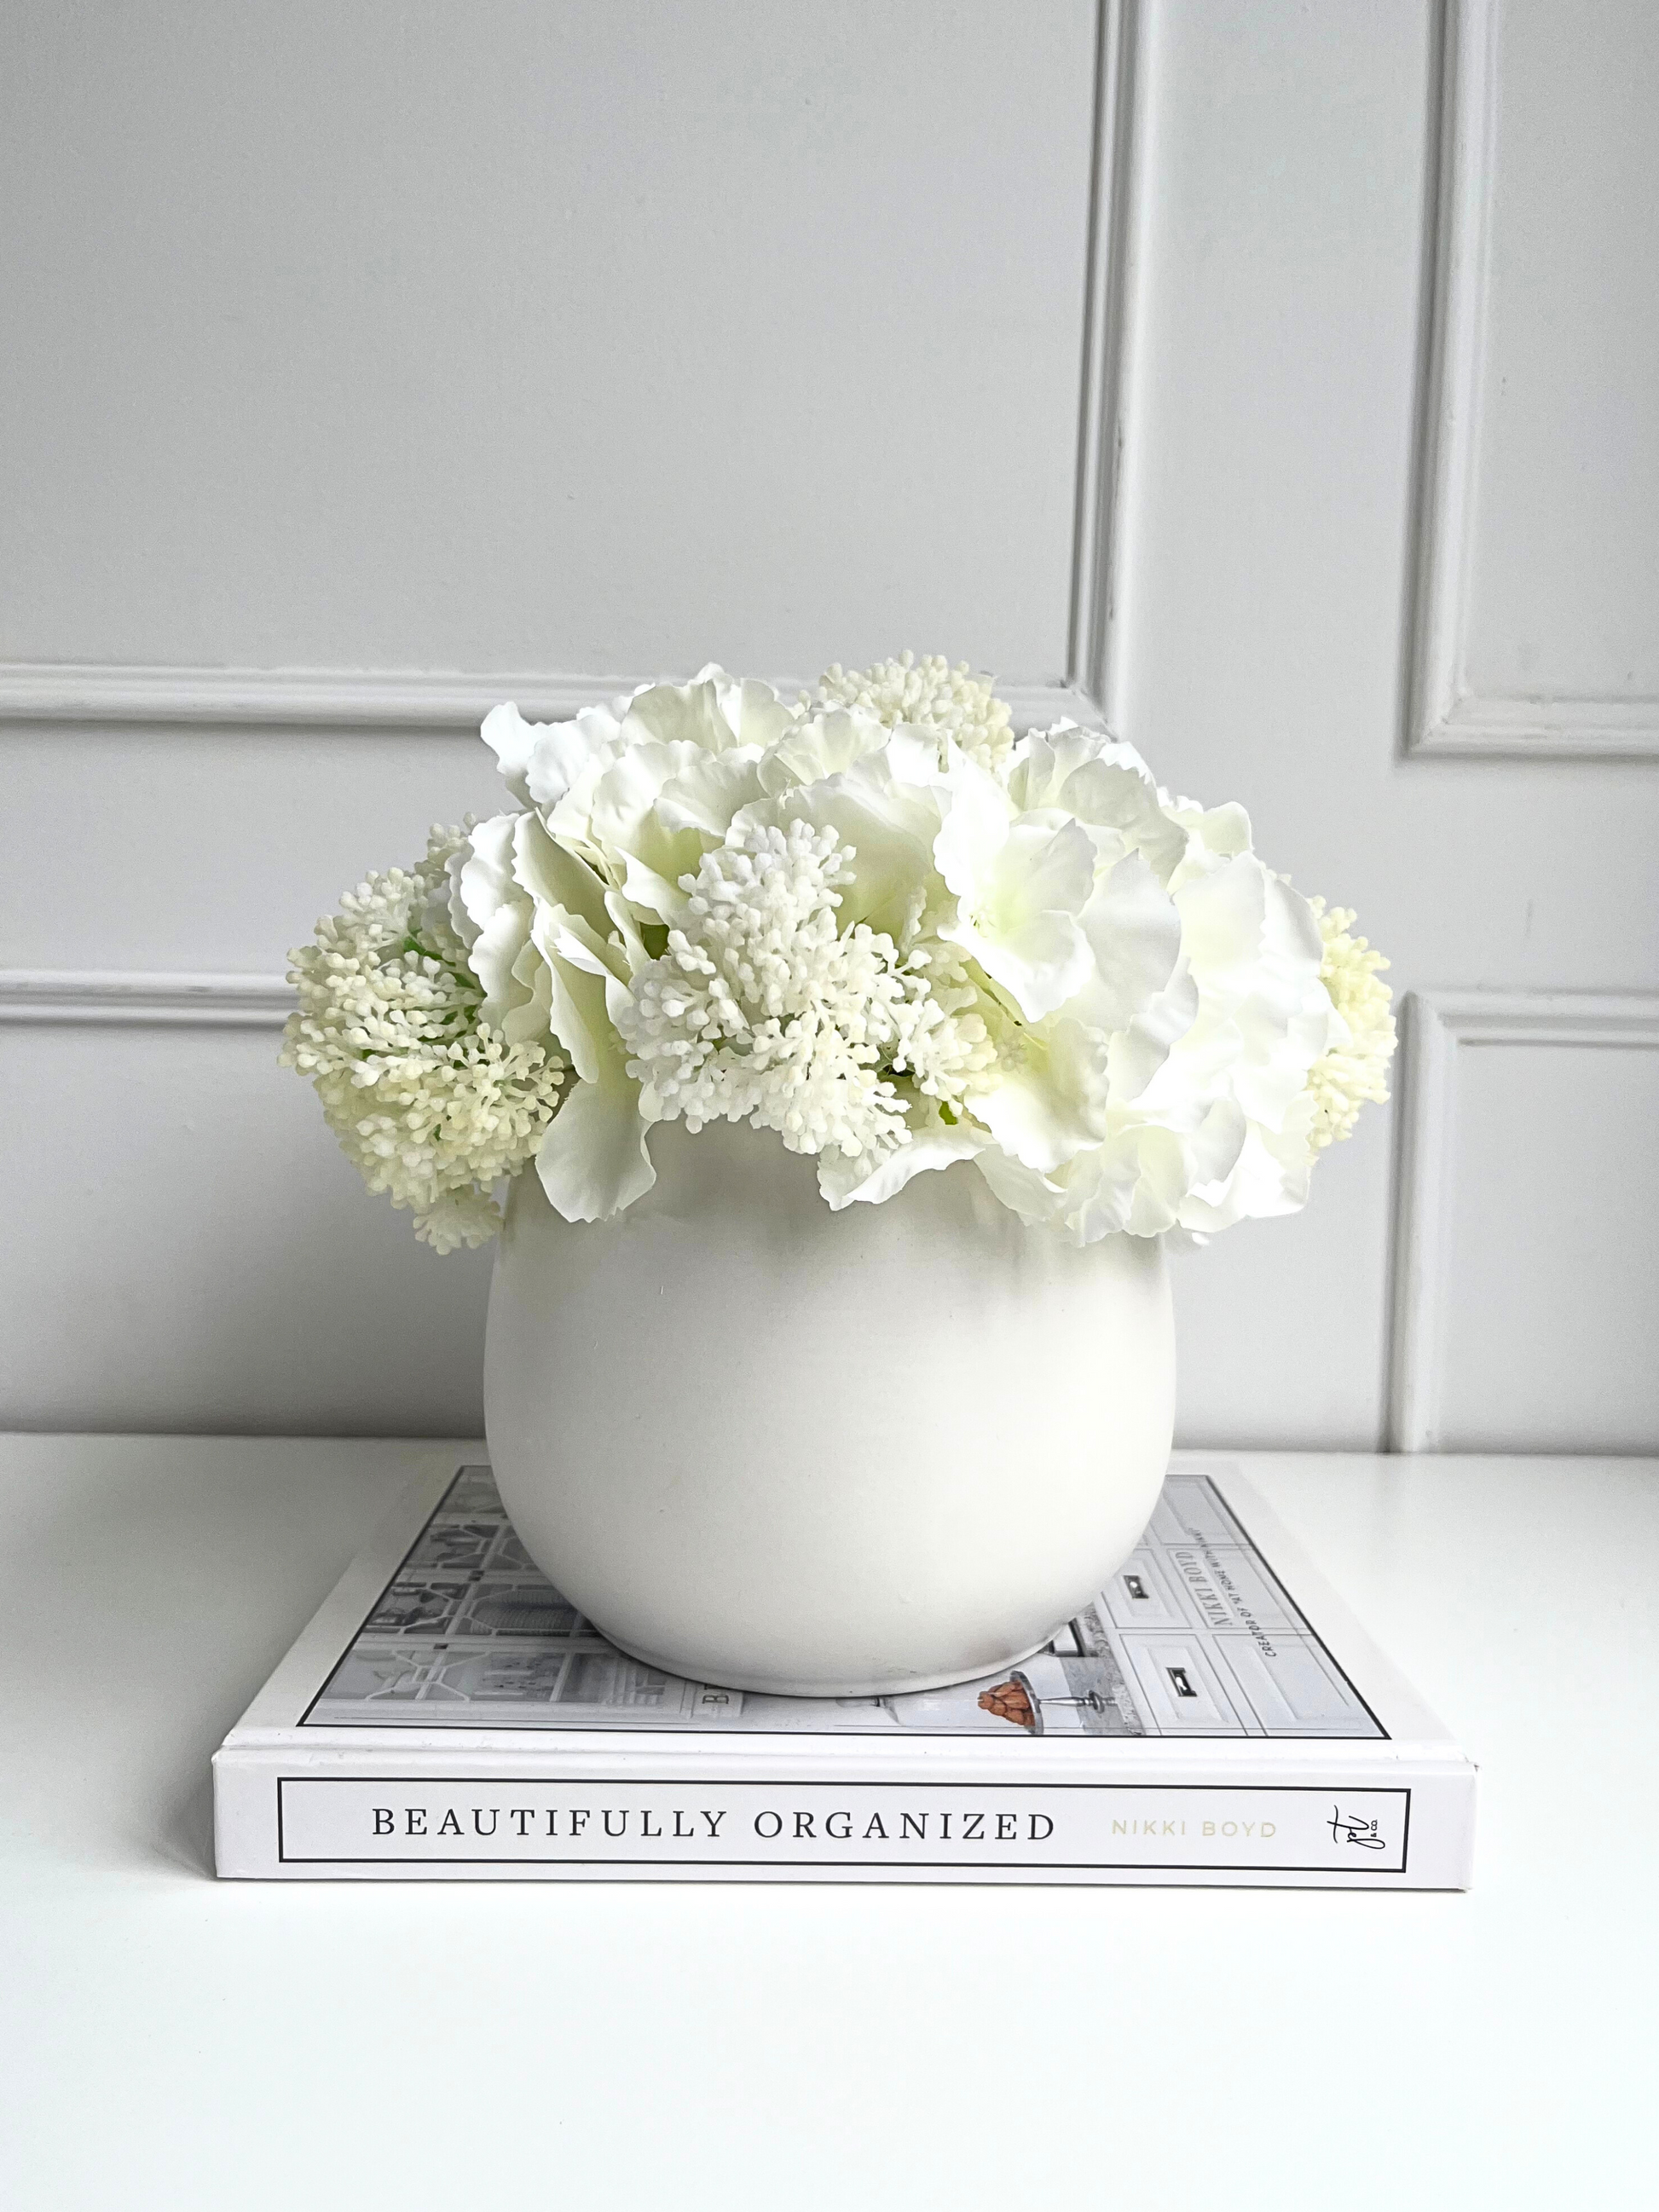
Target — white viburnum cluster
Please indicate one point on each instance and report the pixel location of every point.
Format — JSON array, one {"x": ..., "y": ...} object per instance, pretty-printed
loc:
[
  {"x": 761, "y": 1010},
  {"x": 878, "y": 925},
  {"x": 1363, "y": 1036},
  {"x": 430, "y": 1106},
  {"x": 930, "y": 695}
]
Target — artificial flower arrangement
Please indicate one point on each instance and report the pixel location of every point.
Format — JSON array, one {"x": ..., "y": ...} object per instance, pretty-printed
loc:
[{"x": 876, "y": 922}]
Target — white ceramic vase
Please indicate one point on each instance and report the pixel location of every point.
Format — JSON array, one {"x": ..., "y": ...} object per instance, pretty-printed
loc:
[{"x": 765, "y": 1445}]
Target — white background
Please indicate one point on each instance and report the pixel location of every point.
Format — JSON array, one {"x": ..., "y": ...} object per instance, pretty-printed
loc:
[{"x": 1282, "y": 382}]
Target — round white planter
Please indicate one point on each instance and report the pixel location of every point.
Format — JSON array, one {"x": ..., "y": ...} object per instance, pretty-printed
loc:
[{"x": 833, "y": 1455}]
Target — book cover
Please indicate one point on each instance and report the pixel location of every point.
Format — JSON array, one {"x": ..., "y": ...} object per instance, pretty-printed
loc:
[{"x": 1213, "y": 1716}]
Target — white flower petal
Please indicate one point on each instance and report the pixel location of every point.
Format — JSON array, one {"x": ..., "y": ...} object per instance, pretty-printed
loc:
[
  {"x": 562, "y": 936},
  {"x": 1047, "y": 865},
  {"x": 713, "y": 712},
  {"x": 934, "y": 1143},
  {"x": 1213, "y": 1149},
  {"x": 1225, "y": 831},
  {"x": 528, "y": 1020},
  {"x": 510, "y": 738},
  {"x": 1020, "y": 884},
  {"x": 592, "y": 1162},
  {"x": 1043, "y": 760},
  {"x": 1105, "y": 785},
  {"x": 1051, "y": 1104},
  {"x": 705, "y": 796},
  {"x": 1161, "y": 1184},
  {"x": 1036, "y": 1198},
  {"x": 610, "y": 817},
  {"x": 481, "y": 873},
  {"x": 821, "y": 745},
  {"x": 1271, "y": 1177},
  {"x": 1138, "y": 1052},
  {"x": 973, "y": 832},
  {"x": 921, "y": 756},
  {"x": 577, "y": 1016},
  {"x": 1100, "y": 1188},
  {"x": 567, "y": 756},
  {"x": 553, "y": 876},
  {"x": 1131, "y": 1185},
  {"x": 496, "y": 912},
  {"x": 1041, "y": 962},
  {"x": 1134, "y": 931},
  {"x": 1223, "y": 913}
]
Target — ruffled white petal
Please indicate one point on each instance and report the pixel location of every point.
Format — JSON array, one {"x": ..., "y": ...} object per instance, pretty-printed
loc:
[
  {"x": 592, "y": 1162},
  {"x": 871, "y": 1179}
]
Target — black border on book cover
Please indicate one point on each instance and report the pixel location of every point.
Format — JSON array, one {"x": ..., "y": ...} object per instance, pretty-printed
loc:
[{"x": 717, "y": 1782}]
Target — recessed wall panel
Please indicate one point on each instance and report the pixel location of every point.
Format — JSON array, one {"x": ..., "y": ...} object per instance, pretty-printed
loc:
[
  {"x": 1563, "y": 575},
  {"x": 188, "y": 1250},
  {"x": 593, "y": 338},
  {"x": 1551, "y": 1254},
  {"x": 1279, "y": 1325},
  {"x": 181, "y": 849}
]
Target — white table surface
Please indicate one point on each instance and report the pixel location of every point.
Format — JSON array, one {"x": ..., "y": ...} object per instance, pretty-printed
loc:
[{"x": 169, "y": 2041}]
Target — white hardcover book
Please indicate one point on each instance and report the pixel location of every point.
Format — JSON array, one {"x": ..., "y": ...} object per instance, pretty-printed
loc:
[{"x": 1215, "y": 1716}]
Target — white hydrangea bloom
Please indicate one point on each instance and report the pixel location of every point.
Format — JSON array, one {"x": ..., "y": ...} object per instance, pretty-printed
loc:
[{"x": 430, "y": 1106}]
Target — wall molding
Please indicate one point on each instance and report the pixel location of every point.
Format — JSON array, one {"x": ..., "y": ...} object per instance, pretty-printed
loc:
[
  {"x": 351, "y": 701},
  {"x": 1543, "y": 729},
  {"x": 1440, "y": 1025},
  {"x": 128, "y": 999},
  {"x": 95, "y": 693},
  {"x": 1442, "y": 715},
  {"x": 1462, "y": 123},
  {"x": 1093, "y": 667}
]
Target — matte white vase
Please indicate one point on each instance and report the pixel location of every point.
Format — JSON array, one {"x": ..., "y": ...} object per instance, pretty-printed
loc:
[{"x": 765, "y": 1445}]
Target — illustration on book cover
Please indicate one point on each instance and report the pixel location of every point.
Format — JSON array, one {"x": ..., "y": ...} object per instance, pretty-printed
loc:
[{"x": 1195, "y": 1636}]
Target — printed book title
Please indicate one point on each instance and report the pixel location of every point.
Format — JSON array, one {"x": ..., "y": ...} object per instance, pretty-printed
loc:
[
  {"x": 705, "y": 1823},
  {"x": 357, "y": 1821}
]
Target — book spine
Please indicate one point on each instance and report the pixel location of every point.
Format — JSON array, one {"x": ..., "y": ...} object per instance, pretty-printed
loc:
[{"x": 1409, "y": 1830}]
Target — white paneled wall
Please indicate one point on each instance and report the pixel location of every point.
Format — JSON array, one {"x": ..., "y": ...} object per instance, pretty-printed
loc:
[
  {"x": 1281, "y": 382},
  {"x": 1528, "y": 1219}
]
